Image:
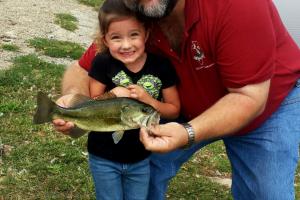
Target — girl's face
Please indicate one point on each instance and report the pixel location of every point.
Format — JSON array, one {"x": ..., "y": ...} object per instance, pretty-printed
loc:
[{"x": 125, "y": 40}]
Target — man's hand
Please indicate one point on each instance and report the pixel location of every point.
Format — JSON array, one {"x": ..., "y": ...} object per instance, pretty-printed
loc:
[
  {"x": 59, "y": 124},
  {"x": 164, "y": 138}
]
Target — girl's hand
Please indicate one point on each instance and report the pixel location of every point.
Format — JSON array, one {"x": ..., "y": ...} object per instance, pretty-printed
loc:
[
  {"x": 139, "y": 93},
  {"x": 121, "y": 92}
]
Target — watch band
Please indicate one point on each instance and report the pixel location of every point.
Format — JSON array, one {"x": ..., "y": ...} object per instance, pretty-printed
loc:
[{"x": 191, "y": 134}]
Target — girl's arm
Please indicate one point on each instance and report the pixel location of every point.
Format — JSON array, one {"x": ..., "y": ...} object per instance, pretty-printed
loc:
[
  {"x": 169, "y": 108},
  {"x": 96, "y": 88}
]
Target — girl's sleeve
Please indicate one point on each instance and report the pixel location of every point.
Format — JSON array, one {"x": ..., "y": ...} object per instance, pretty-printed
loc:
[{"x": 168, "y": 74}]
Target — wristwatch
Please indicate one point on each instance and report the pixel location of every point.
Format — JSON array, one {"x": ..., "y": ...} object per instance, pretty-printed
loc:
[{"x": 191, "y": 135}]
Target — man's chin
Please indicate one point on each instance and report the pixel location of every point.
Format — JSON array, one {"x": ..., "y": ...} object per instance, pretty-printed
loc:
[
  {"x": 143, "y": 17},
  {"x": 158, "y": 15}
]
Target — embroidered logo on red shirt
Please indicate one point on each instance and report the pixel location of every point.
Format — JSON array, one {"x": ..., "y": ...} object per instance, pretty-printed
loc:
[
  {"x": 199, "y": 56},
  {"x": 198, "y": 53}
]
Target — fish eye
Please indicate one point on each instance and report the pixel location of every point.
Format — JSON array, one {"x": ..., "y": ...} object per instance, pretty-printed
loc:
[
  {"x": 146, "y": 110},
  {"x": 125, "y": 108}
]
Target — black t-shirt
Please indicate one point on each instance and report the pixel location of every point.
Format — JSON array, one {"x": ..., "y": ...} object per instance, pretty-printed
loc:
[{"x": 156, "y": 74}]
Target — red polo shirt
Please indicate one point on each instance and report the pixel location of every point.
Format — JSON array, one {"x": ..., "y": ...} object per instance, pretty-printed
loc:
[{"x": 228, "y": 43}]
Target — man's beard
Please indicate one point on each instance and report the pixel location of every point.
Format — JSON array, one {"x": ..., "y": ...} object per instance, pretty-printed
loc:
[{"x": 163, "y": 9}]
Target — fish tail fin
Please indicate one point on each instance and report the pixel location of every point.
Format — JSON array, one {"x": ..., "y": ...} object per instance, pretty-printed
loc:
[{"x": 44, "y": 110}]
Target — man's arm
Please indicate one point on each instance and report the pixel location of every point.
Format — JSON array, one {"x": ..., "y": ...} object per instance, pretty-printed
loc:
[
  {"x": 75, "y": 80},
  {"x": 230, "y": 114}
]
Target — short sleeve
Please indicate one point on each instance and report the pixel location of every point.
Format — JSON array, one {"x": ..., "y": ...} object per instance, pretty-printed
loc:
[
  {"x": 168, "y": 74},
  {"x": 246, "y": 44},
  {"x": 86, "y": 59},
  {"x": 99, "y": 68}
]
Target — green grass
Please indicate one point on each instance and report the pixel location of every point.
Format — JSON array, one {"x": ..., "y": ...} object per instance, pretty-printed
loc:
[
  {"x": 42, "y": 164},
  {"x": 93, "y": 3},
  {"x": 66, "y": 21},
  {"x": 57, "y": 48},
  {"x": 10, "y": 47},
  {"x": 38, "y": 163}
]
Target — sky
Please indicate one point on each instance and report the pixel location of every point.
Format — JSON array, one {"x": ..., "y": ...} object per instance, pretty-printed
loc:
[{"x": 290, "y": 15}]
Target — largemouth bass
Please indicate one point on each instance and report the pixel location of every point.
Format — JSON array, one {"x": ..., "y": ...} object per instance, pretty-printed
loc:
[{"x": 112, "y": 114}]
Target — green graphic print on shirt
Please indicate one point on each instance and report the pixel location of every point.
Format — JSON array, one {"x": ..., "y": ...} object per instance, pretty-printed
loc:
[
  {"x": 122, "y": 79},
  {"x": 150, "y": 83}
]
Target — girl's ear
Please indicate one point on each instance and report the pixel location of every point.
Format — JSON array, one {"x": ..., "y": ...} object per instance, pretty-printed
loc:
[{"x": 104, "y": 41}]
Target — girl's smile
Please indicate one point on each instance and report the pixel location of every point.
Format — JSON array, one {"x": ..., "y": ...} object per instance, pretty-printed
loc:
[{"x": 125, "y": 40}]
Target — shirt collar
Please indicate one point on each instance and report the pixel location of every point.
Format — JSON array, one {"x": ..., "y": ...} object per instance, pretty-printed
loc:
[
  {"x": 192, "y": 16},
  {"x": 192, "y": 13}
]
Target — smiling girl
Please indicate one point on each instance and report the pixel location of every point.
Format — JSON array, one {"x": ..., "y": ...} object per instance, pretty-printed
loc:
[{"x": 120, "y": 169}]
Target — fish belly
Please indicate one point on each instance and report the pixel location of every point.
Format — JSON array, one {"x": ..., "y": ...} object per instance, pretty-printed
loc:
[{"x": 102, "y": 125}]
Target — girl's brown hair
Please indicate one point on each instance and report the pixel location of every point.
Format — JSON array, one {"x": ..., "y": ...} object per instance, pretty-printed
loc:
[{"x": 110, "y": 11}]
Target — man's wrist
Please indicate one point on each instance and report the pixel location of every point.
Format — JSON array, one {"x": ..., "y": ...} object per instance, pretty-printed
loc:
[{"x": 191, "y": 135}]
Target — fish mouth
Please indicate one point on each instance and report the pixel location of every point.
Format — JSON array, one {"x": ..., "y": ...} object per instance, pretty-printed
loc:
[{"x": 153, "y": 119}]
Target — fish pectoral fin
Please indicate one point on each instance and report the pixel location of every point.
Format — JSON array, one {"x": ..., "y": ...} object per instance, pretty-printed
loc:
[
  {"x": 117, "y": 136},
  {"x": 77, "y": 132}
]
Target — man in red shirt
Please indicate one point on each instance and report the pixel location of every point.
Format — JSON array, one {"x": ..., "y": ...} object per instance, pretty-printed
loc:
[{"x": 238, "y": 69}]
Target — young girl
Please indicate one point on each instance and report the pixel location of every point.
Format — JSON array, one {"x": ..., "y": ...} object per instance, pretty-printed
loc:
[{"x": 121, "y": 171}]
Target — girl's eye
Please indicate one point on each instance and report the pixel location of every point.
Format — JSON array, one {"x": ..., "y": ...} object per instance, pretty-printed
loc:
[
  {"x": 114, "y": 37},
  {"x": 135, "y": 34}
]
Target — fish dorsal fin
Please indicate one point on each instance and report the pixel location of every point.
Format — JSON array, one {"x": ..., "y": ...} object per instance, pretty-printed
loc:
[
  {"x": 78, "y": 99},
  {"x": 106, "y": 95},
  {"x": 117, "y": 136}
]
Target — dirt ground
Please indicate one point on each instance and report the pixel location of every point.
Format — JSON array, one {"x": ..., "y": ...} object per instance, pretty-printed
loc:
[{"x": 21, "y": 20}]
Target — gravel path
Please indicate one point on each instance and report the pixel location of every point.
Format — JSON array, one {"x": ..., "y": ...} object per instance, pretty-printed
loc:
[{"x": 21, "y": 20}]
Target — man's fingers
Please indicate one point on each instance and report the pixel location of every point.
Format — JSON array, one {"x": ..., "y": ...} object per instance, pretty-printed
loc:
[
  {"x": 145, "y": 133},
  {"x": 163, "y": 138},
  {"x": 146, "y": 137},
  {"x": 58, "y": 122},
  {"x": 62, "y": 126},
  {"x": 152, "y": 141}
]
